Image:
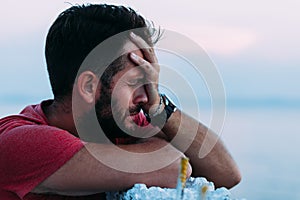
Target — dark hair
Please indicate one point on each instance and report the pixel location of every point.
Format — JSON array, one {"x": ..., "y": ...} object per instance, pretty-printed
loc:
[{"x": 76, "y": 32}]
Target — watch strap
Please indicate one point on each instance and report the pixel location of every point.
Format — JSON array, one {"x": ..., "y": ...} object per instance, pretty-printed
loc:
[{"x": 161, "y": 118}]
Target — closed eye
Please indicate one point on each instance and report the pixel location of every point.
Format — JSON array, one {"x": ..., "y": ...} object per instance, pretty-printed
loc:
[{"x": 135, "y": 82}]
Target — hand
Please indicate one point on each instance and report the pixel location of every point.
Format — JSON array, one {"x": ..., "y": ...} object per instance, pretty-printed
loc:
[{"x": 151, "y": 69}]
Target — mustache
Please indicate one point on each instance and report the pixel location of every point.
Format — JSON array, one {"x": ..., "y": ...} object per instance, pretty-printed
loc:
[{"x": 135, "y": 109}]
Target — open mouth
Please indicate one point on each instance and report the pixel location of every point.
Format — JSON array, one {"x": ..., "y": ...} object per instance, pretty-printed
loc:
[{"x": 134, "y": 115}]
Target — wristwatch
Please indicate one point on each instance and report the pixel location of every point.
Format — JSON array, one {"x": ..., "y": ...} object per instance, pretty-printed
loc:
[
  {"x": 161, "y": 118},
  {"x": 169, "y": 106}
]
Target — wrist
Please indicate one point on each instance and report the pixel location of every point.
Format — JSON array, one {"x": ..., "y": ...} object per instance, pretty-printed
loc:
[
  {"x": 170, "y": 107},
  {"x": 157, "y": 108},
  {"x": 162, "y": 112}
]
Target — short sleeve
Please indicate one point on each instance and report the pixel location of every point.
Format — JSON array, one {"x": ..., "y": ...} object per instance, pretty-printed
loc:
[{"x": 31, "y": 153}]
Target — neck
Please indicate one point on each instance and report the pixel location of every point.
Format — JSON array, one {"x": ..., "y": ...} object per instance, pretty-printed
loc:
[{"x": 59, "y": 114}]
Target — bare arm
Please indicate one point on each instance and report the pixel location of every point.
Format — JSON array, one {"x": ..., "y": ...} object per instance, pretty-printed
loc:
[
  {"x": 217, "y": 166},
  {"x": 84, "y": 174}
]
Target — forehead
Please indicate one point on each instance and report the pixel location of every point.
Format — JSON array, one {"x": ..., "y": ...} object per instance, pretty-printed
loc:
[
  {"x": 130, "y": 47},
  {"x": 125, "y": 51}
]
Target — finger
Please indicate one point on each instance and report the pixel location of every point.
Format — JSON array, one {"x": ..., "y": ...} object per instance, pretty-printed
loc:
[
  {"x": 153, "y": 96},
  {"x": 145, "y": 48},
  {"x": 149, "y": 69},
  {"x": 138, "y": 60},
  {"x": 151, "y": 77}
]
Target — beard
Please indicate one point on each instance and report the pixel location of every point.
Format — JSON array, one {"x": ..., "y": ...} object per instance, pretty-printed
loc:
[{"x": 103, "y": 115}]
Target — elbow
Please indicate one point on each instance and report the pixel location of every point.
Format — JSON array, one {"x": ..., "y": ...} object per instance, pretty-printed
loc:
[
  {"x": 238, "y": 177},
  {"x": 234, "y": 179},
  {"x": 234, "y": 176},
  {"x": 229, "y": 180}
]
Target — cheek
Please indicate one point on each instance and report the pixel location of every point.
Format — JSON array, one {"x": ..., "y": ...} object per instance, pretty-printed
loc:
[{"x": 123, "y": 96}]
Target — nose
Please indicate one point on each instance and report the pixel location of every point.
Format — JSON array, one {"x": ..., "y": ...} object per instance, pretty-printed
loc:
[{"x": 140, "y": 96}]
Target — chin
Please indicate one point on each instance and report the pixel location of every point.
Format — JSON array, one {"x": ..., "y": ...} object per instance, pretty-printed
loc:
[{"x": 129, "y": 125}]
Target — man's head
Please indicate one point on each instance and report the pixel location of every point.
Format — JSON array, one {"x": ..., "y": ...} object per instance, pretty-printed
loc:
[
  {"x": 118, "y": 105},
  {"x": 76, "y": 32}
]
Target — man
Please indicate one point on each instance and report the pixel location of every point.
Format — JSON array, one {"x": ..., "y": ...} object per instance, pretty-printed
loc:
[{"x": 43, "y": 155}]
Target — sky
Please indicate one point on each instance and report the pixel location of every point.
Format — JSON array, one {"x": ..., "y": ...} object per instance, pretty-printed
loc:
[{"x": 254, "y": 44}]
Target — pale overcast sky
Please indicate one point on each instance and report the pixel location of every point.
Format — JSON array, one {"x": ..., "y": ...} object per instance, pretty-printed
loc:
[{"x": 255, "y": 44}]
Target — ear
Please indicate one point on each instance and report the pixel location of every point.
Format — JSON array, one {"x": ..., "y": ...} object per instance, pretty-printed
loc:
[{"x": 87, "y": 83}]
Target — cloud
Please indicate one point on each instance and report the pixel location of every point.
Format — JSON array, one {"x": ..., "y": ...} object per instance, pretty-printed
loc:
[{"x": 226, "y": 41}]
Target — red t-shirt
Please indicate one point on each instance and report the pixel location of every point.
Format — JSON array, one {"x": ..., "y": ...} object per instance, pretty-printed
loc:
[{"x": 31, "y": 150}]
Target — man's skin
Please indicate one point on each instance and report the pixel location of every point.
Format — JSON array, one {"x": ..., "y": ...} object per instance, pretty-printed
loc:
[{"x": 84, "y": 174}]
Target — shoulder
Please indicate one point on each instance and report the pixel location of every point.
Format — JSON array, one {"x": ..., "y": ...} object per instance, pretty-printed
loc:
[
  {"x": 30, "y": 115},
  {"x": 30, "y": 130},
  {"x": 31, "y": 150}
]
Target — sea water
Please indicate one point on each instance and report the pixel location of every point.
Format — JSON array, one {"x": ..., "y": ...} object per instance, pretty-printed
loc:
[{"x": 265, "y": 143}]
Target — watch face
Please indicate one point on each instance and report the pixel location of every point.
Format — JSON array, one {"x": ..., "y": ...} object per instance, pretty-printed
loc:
[
  {"x": 168, "y": 102},
  {"x": 161, "y": 118},
  {"x": 169, "y": 106}
]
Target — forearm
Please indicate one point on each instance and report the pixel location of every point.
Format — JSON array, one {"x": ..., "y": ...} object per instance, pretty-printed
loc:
[
  {"x": 85, "y": 174},
  {"x": 188, "y": 135}
]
